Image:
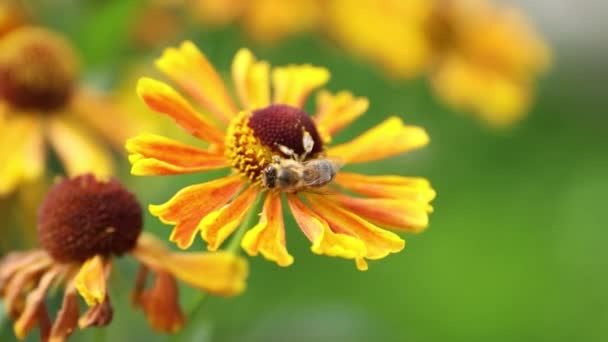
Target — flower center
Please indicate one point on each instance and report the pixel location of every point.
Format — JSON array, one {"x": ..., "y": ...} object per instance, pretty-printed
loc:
[
  {"x": 82, "y": 217},
  {"x": 255, "y": 137},
  {"x": 37, "y": 69}
]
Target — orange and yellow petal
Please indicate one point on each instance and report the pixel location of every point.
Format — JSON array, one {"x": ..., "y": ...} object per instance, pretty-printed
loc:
[
  {"x": 251, "y": 79},
  {"x": 387, "y": 139},
  {"x": 162, "y": 98},
  {"x": 189, "y": 68},
  {"x": 220, "y": 224},
  {"x": 335, "y": 112},
  {"x": 35, "y": 304},
  {"x": 67, "y": 317},
  {"x": 293, "y": 83},
  {"x": 268, "y": 236},
  {"x": 413, "y": 189},
  {"x": 98, "y": 315},
  {"x": 399, "y": 214},
  {"x": 22, "y": 154},
  {"x": 379, "y": 242},
  {"x": 161, "y": 304},
  {"x": 91, "y": 280},
  {"x": 152, "y": 154},
  {"x": 77, "y": 148},
  {"x": 190, "y": 205},
  {"x": 324, "y": 240},
  {"x": 219, "y": 273}
]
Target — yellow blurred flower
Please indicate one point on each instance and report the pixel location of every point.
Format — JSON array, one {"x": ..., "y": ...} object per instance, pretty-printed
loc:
[
  {"x": 84, "y": 223},
  {"x": 12, "y": 15},
  {"x": 41, "y": 100},
  {"x": 276, "y": 149}
]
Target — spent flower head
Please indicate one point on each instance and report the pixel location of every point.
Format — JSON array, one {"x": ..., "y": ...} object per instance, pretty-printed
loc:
[
  {"x": 83, "y": 224},
  {"x": 275, "y": 149}
]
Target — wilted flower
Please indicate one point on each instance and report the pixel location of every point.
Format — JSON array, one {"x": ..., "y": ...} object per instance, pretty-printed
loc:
[
  {"x": 83, "y": 224},
  {"x": 271, "y": 132}
]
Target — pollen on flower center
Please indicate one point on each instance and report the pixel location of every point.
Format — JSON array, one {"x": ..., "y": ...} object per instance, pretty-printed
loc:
[
  {"x": 37, "y": 69},
  {"x": 82, "y": 217},
  {"x": 254, "y": 137}
]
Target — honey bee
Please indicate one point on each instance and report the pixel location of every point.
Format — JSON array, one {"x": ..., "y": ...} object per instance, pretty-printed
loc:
[{"x": 295, "y": 174}]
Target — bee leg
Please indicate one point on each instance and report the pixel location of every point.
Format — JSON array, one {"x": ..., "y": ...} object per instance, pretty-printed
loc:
[
  {"x": 276, "y": 159},
  {"x": 287, "y": 151}
]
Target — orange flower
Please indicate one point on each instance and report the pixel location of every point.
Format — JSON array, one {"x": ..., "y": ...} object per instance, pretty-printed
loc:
[
  {"x": 275, "y": 148},
  {"x": 83, "y": 224},
  {"x": 41, "y": 101}
]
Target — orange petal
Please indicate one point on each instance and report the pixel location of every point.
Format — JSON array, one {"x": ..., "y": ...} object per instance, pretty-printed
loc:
[
  {"x": 91, "y": 280},
  {"x": 401, "y": 214},
  {"x": 219, "y": 273},
  {"x": 251, "y": 79},
  {"x": 219, "y": 225},
  {"x": 99, "y": 315},
  {"x": 292, "y": 84},
  {"x": 190, "y": 205},
  {"x": 379, "y": 242},
  {"x": 153, "y": 154},
  {"x": 34, "y": 302},
  {"x": 189, "y": 68},
  {"x": 387, "y": 139},
  {"x": 335, "y": 112},
  {"x": 161, "y": 304},
  {"x": 324, "y": 240},
  {"x": 268, "y": 236},
  {"x": 404, "y": 188},
  {"x": 164, "y": 99},
  {"x": 77, "y": 148},
  {"x": 67, "y": 317},
  {"x": 22, "y": 153}
]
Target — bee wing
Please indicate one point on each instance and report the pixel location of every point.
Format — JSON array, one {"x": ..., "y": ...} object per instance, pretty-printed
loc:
[{"x": 320, "y": 172}]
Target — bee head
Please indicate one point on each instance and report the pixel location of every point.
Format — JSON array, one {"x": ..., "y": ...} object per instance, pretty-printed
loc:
[{"x": 269, "y": 176}]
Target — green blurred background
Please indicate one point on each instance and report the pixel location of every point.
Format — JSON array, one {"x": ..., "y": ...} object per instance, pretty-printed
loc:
[{"x": 515, "y": 249}]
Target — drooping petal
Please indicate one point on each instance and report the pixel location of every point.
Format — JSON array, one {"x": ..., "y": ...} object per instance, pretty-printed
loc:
[
  {"x": 190, "y": 205},
  {"x": 77, "y": 148},
  {"x": 189, "y": 68},
  {"x": 251, "y": 79},
  {"x": 387, "y": 139},
  {"x": 219, "y": 225},
  {"x": 152, "y": 154},
  {"x": 22, "y": 154},
  {"x": 324, "y": 240},
  {"x": 335, "y": 112},
  {"x": 34, "y": 303},
  {"x": 379, "y": 242},
  {"x": 162, "y": 98},
  {"x": 400, "y": 214},
  {"x": 161, "y": 304},
  {"x": 413, "y": 189},
  {"x": 268, "y": 236},
  {"x": 292, "y": 84},
  {"x": 67, "y": 317},
  {"x": 91, "y": 280},
  {"x": 218, "y": 273},
  {"x": 98, "y": 315}
]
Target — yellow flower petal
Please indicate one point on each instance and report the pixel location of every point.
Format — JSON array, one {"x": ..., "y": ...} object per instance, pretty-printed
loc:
[
  {"x": 251, "y": 79},
  {"x": 387, "y": 139},
  {"x": 324, "y": 240},
  {"x": 268, "y": 236},
  {"x": 164, "y": 99},
  {"x": 91, "y": 280},
  {"x": 401, "y": 214},
  {"x": 190, "y": 205},
  {"x": 404, "y": 188},
  {"x": 152, "y": 154},
  {"x": 335, "y": 112},
  {"x": 22, "y": 153},
  {"x": 292, "y": 84},
  {"x": 379, "y": 242},
  {"x": 189, "y": 68},
  {"x": 219, "y": 225},
  {"x": 219, "y": 273},
  {"x": 77, "y": 149}
]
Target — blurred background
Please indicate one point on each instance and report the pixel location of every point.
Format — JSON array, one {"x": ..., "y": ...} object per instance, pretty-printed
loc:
[{"x": 515, "y": 249}]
